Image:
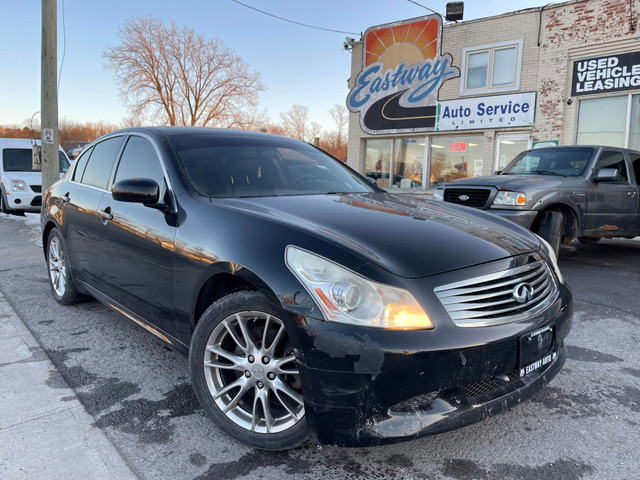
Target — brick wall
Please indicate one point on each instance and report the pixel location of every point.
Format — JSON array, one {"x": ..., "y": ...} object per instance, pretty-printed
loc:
[{"x": 569, "y": 31}]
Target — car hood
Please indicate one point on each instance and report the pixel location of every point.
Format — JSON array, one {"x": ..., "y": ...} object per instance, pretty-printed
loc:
[
  {"x": 509, "y": 182},
  {"x": 404, "y": 235}
]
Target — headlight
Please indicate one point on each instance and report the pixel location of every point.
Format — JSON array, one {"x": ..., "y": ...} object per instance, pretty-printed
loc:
[
  {"x": 552, "y": 257},
  {"x": 438, "y": 195},
  {"x": 346, "y": 297},
  {"x": 510, "y": 198},
  {"x": 18, "y": 186}
]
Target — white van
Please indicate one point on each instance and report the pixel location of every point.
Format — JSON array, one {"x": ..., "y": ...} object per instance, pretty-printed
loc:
[{"x": 20, "y": 184}]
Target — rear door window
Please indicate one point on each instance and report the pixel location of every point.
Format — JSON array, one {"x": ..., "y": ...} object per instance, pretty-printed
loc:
[
  {"x": 635, "y": 164},
  {"x": 611, "y": 159},
  {"x": 97, "y": 173}
]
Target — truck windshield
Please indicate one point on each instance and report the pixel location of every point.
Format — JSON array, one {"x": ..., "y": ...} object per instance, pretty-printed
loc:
[
  {"x": 20, "y": 160},
  {"x": 566, "y": 162}
]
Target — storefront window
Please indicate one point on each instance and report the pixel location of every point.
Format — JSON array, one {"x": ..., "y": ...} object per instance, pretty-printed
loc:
[
  {"x": 508, "y": 147},
  {"x": 408, "y": 163},
  {"x": 603, "y": 121},
  {"x": 455, "y": 157},
  {"x": 378, "y": 161}
]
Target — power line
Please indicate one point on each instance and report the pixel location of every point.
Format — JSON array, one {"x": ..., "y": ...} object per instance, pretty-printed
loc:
[
  {"x": 292, "y": 21},
  {"x": 426, "y": 8}
]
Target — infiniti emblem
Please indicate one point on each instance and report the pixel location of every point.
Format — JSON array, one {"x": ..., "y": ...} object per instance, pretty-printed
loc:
[
  {"x": 523, "y": 292},
  {"x": 463, "y": 198}
]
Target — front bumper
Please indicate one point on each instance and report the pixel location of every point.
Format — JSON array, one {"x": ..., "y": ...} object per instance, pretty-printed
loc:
[
  {"x": 524, "y": 218},
  {"x": 24, "y": 201},
  {"x": 367, "y": 387}
]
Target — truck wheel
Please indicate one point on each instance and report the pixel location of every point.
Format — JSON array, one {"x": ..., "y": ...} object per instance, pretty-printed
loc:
[
  {"x": 589, "y": 240},
  {"x": 551, "y": 229}
]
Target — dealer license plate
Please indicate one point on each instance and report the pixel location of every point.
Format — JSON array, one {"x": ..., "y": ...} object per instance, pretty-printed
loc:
[
  {"x": 526, "y": 370},
  {"x": 536, "y": 350}
]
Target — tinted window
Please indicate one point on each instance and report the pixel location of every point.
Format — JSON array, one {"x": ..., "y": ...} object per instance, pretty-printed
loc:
[
  {"x": 635, "y": 163},
  {"x": 20, "y": 160},
  {"x": 139, "y": 160},
  {"x": 99, "y": 167},
  {"x": 248, "y": 166},
  {"x": 81, "y": 163},
  {"x": 614, "y": 160}
]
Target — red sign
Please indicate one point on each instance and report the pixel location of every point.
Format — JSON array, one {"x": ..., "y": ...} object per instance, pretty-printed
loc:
[{"x": 458, "y": 147}]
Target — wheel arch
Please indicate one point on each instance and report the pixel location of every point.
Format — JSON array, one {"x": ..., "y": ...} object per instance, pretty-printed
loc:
[
  {"x": 570, "y": 220},
  {"x": 221, "y": 282},
  {"x": 50, "y": 225}
]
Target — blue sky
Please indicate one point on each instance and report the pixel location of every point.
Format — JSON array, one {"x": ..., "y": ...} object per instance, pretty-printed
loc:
[{"x": 298, "y": 65}]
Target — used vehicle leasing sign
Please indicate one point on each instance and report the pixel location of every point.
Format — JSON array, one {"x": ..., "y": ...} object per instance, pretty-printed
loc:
[
  {"x": 612, "y": 73},
  {"x": 497, "y": 111}
]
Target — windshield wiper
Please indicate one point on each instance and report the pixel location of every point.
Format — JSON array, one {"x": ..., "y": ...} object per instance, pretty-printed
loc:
[{"x": 547, "y": 172}]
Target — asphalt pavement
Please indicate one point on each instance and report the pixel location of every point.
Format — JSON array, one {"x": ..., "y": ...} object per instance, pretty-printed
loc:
[{"x": 85, "y": 393}]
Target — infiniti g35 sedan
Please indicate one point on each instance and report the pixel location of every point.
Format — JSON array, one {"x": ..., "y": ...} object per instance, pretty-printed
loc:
[{"x": 311, "y": 303}]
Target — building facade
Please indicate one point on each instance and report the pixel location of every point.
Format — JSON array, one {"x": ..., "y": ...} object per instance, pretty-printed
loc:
[{"x": 431, "y": 103}]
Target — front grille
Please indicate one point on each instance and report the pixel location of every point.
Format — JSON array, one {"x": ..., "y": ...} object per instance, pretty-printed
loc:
[
  {"x": 36, "y": 202},
  {"x": 418, "y": 403},
  {"x": 36, "y": 188},
  {"x": 477, "y": 196},
  {"x": 489, "y": 384},
  {"x": 490, "y": 299}
]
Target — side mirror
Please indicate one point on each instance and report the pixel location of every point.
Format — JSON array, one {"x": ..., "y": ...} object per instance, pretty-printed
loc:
[
  {"x": 606, "y": 175},
  {"x": 136, "y": 190},
  {"x": 372, "y": 180},
  {"x": 497, "y": 172}
]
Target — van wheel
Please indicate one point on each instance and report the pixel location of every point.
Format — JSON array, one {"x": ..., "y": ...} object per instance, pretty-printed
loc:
[
  {"x": 3, "y": 205},
  {"x": 551, "y": 229},
  {"x": 245, "y": 375}
]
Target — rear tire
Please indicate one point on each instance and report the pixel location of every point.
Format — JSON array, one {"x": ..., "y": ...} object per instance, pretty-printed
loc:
[
  {"x": 245, "y": 374},
  {"x": 589, "y": 240},
  {"x": 59, "y": 273},
  {"x": 551, "y": 229}
]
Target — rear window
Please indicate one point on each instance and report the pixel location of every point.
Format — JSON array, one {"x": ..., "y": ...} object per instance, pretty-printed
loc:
[{"x": 20, "y": 160}]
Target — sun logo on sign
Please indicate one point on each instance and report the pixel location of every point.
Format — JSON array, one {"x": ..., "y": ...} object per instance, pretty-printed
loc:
[{"x": 413, "y": 43}]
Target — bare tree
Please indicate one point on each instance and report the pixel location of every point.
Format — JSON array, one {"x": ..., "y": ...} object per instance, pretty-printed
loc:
[
  {"x": 296, "y": 123},
  {"x": 182, "y": 76},
  {"x": 340, "y": 116}
]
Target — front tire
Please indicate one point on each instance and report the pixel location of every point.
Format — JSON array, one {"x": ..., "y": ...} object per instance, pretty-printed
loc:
[
  {"x": 3, "y": 202},
  {"x": 551, "y": 229},
  {"x": 245, "y": 375},
  {"x": 60, "y": 279},
  {"x": 589, "y": 240}
]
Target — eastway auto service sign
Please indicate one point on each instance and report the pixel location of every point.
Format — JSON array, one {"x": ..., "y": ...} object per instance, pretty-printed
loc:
[
  {"x": 397, "y": 89},
  {"x": 613, "y": 73}
]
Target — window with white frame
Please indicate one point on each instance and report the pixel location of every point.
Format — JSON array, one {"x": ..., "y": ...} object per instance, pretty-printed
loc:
[{"x": 491, "y": 68}]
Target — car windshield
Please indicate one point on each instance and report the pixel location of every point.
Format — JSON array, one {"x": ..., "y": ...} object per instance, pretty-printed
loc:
[
  {"x": 233, "y": 167},
  {"x": 566, "y": 162},
  {"x": 21, "y": 160}
]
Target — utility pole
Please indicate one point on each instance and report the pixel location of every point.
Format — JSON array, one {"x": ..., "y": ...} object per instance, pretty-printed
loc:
[{"x": 49, "y": 94}]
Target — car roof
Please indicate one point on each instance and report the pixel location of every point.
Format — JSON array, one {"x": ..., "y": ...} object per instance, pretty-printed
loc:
[{"x": 222, "y": 132}]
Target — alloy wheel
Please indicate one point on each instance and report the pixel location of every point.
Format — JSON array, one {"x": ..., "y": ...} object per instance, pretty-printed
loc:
[
  {"x": 251, "y": 373},
  {"x": 57, "y": 266}
]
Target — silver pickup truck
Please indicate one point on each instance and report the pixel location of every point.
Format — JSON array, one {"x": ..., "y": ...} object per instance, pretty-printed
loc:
[{"x": 561, "y": 193}]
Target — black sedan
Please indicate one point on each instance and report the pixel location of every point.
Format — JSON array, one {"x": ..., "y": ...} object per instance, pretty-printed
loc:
[{"x": 311, "y": 303}]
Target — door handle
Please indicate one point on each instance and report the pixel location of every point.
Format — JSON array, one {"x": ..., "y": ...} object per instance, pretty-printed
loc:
[
  {"x": 106, "y": 215},
  {"x": 631, "y": 194}
]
